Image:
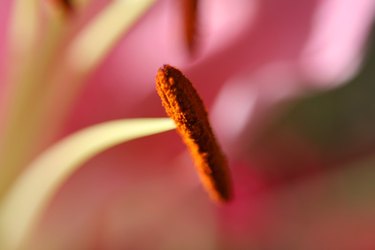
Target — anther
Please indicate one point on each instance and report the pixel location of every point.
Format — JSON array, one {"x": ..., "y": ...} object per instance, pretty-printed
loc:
[
  {"x": 185, "y": 107},
  {"x": 66, "y": 5},
  {"x": 190, "y": 8}
]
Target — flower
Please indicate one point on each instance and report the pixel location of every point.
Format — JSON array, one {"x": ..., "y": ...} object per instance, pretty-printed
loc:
[{"x": 251, "y": 56}]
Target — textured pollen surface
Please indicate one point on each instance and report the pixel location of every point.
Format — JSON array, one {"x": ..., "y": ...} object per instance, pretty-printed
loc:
[{"x": 184, "y": 106}]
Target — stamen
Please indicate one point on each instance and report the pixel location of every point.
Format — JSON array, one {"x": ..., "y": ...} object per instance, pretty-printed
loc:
[
  {"x": 66, "y": 5},
  {"x": 190, "y": 8},
  {"x": 185, "y": 107}
]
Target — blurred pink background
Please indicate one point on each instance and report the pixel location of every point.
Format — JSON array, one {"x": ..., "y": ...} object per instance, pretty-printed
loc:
[{"x": 288, "y": 86}]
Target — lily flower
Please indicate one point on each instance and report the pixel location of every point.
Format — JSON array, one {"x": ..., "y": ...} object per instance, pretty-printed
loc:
[{"x": 77, "y": 81}]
